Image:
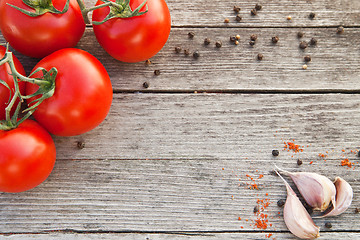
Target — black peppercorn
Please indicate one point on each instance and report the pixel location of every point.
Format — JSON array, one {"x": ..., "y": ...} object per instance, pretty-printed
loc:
[
  {"x": 313, "y": 41},
  {"x": 157, "y": 72},
  {"x": 196, "y": 54},
  {"x": 258, "y": 7},
  {"x": 328, "y": 225},
  {"x": 340, "y": 30},
  {"x": 299, "y": 162},
  {"x": 275, "y": 39},
  {"x": 253, "y": 12},
  {"x": 312, "y": 15},
  {"x": 148, "y": 62},
  {"x": 145, "y": 84},
  {"x": 357, "y": 210},
  {"x": 307, "y": 58},
  {"x": 260, "y": 57},
  {"x": 191, "y": 34},
  {"x": 252, "y": 43},
  {"x": 238, "y": 18},
  {"x": 358, "y": 153},
  {"x": 186, "y": 52},
  {"x": 253, "y": 37},
  {"x": 275, "y": 153},
  {"x": 80, "y": 144},
  {"x": 300, "y": 34},
  {"x": 281, "y": 203},
  {"x": 232, "y": 38},
  {"x": 303, "y": 45},
  {"x": 218, "y": 44},
  {"x": 237, "y": 9},
  {"x": 256, "y": 208},
  {"x": 207, "y": 41},
  {"x": 177, "y": 49}
]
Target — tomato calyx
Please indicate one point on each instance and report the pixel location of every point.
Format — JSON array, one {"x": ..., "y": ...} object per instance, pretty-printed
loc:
[
  {"x": 46, "y": 89},
  {"x": 41, "y": 7},
  {"x": 118, "y": 9}
]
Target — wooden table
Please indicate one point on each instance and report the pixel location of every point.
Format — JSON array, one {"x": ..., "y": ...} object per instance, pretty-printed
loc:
[{"x": 175, "y": 160}]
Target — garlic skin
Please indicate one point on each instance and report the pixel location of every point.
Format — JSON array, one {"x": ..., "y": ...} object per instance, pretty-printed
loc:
[
  {"x": 296, "y": 218},
  {"x": 317, "y": 190},
  {"x": 344, "y": 196}
]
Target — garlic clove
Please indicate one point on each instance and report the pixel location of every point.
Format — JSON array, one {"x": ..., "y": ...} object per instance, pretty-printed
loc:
[
  {"x": 317, "y": 190},
  {"x": 344, "y": 196},
  {"x": 296, "y": 218}
]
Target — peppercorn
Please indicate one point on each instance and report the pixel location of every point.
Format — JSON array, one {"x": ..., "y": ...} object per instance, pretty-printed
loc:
[
  {"x": 303, "y": 45},
  {"x": 232, "y": 38},
  {"x": 256, "y": 208},
  {"x": 177, "y": 49},
  {"x": 288, "y": 18},
  {"x": 340, "y": 30},
  {"x": 307, "y": 58},
  {"x": 304, "y": 67},
  {"x": 157, "y": 72},
  {"x": 148, "y": 62},
  {"x": 328, "y": 225},
  {"x": 300, "y": 34},
  {"x": 253, "y": 12},
  {"x": 281, "y": 203},
  {"x": 260, "y": 57},
  {"x": 357, "y": 210},
  {"x": 258, "y": 7},
  {"x": 275, "y": 39},
  {"x": 237, "y": 9},
  {"x": 145, "y": 84},
  {"x": 253, "y": 37},
  {"x": 218, "y": 44},
  {"x": 238, "y": 18},
  {"x": 80, "y": 144},
  {"x": 207, "y": 41},
  {"x": 312, "y": 15},
  {"x": 299, "y": 162},
  {"x": 275, "y": 153},
  {"x": 186, "y": 52},
  {"x": 191, "y": 34},
  {"x": 226, "y": 20},
  {"x": 236, "y": 42},
  {"x": 313, "y": 41},
  {"x": 237, "y": 37},
  {"x": 196, "y": 54},
  {"x": 252, "y": 43}
]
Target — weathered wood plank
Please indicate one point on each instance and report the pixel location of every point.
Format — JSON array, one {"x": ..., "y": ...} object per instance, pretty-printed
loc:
[
  {"x": 195, "y": 236},
  {"x": 334, "y": 65},
  {"x": 161, "y": 195},
  {"x": 273, "y": 14},
  {"x": 220, "y": 126}
]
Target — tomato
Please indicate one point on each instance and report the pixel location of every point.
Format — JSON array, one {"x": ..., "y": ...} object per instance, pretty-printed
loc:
[
  {"x": 39, "y": 36},
  {"x": 5, "y": 76},
  {"x": 82, "y": 97},
  {"x": 27, "y": 157},
  {"x": 136, "y": 38}
]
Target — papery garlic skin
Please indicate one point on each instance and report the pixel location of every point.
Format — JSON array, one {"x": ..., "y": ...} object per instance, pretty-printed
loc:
[
  {"x": 296, "y": 218},
  {"x": 317, "y": 190},
  {"x": 344, "y": 196}
]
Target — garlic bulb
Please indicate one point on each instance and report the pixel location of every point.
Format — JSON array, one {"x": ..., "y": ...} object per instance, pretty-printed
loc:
[
  {"x": 296, "y": 218},
  {"x": 317, "y": 190},
  {"x": 344, "y": 195}
]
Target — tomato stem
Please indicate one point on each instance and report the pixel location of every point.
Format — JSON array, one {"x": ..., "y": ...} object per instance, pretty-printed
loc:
[{"x": 46, "y": 89}]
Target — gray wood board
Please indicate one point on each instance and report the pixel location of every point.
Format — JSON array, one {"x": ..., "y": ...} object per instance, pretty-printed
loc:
[
  {"x": 195, "y": 236},
  {"x": 220, "y": 126},
  {"x": 334, "y": 65},
  {"x": 273, "y": 14},
  {"x": 161, "y": 195}
]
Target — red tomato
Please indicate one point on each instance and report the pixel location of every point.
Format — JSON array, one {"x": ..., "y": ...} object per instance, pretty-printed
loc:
[
  {"x": 83, "y": 93},
  {"x": 5, "y": 76},
  {"x": 27, "y": 157},
  {"x": 42, "y": 35},
  {"x": 137, "y": 38}
]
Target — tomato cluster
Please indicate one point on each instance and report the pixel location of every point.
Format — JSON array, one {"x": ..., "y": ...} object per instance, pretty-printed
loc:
[{"x": 69, "y": 91}]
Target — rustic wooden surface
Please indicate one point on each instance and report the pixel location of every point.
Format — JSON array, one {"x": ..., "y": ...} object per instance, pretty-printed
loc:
[{"x": 170, "y": 161}]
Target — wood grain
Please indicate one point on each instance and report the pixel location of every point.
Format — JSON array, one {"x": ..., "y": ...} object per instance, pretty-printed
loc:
[
  {"x": 194, "y": 236},
  {"x": 220, "y": 126}
]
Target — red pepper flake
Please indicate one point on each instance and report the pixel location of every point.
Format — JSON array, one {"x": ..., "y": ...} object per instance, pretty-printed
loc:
[
  {"x": 261, "y": 176},
  {"x": 343, "y": 150},
  {"x": 311, "y": 162},
  {"x": 239, "y": 218},
  {"x": 292, "y": 146},
  {"x": 268, "y": 235},
  {"x": 347, "y": 163}
]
